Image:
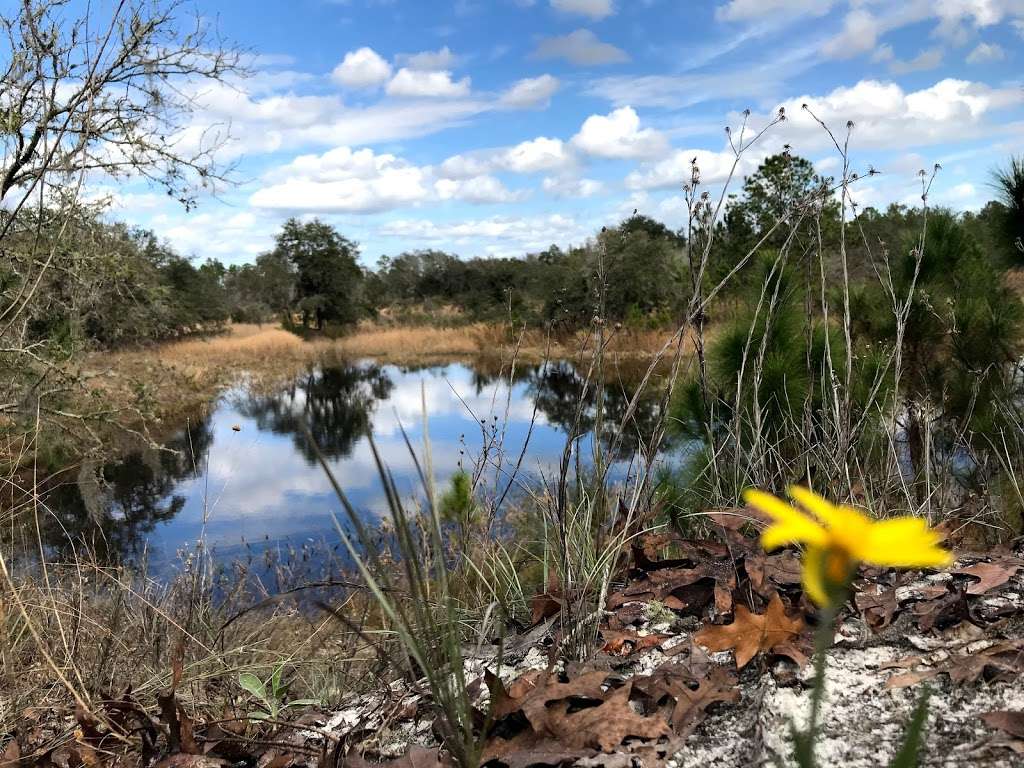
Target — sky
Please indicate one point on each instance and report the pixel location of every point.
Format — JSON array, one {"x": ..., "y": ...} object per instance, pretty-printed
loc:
[{"x": 500, "y": 127}]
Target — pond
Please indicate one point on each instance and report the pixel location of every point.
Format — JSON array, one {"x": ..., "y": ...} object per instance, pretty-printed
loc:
[{"x": 245, "y": 475}]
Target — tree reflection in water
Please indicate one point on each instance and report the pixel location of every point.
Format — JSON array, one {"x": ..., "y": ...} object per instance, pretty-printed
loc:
[
  {"x": 335, "y": 402},
  {"x": 558, "y": 389},
  {"x": 111, "y": 509}
]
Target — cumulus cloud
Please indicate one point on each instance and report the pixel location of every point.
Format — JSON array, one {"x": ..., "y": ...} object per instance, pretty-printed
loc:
[
  {"x": 593, "y": 9},
  {"x": 517, "y": 233},
  {"x": 581, "y": 47},
  {"x": 478, "y": 190},
  {"x": 418, "y": 83},
  {"x": 343, "y": 180},
  {"x": 363, "y": 68},
  {"x": 619, "y": 135},
  {"x": 986, "y": 52},
  {"x": 531, "y": 92},
  {"x": 674, "y": 170},
  {"x": 885, "y": 115},
  {"x": 532, "y": 156},
  {"x": 346, "y": 180}
]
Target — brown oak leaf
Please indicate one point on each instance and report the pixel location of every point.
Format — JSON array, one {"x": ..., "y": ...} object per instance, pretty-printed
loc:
[
  {"x": 989, "y": 575},
  {"x": 674, "y": 684},
  {"x": 750, "y": 633},
  {"x": 605, "y": 726}
]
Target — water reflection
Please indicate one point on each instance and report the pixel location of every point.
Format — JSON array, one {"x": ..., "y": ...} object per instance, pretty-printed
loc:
[
  {"x": 246, "y": 475},
  {"x": 335, "y": 403}
]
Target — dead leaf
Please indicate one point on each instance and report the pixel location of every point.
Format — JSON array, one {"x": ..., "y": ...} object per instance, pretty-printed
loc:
[
  {"x": 942, "y": 612},
  {"x": 605, "y": 726},
  {"x": 544, "y": 606},
  {"x": 1007, "y": 721},
  {"x": 689, "y": 703},
  {"x": 766, "y": 571},
  {"x": 989, "y": 575},
  {"x": 416, "y": 757},
  {"x": 620, "y": 643},
  {"x": 907, "y": 679},
  {"x": 751, "y": 632},
  {"x": 878, "y": 605},
  {"x": 579, "y": 714},
  {"x": 547, "y": 753},
  {"x": 181, "y": 760},
  {"x": 11, "y": 754}
]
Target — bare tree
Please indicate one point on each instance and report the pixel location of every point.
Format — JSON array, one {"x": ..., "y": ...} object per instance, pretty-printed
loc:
[{"x": 89, "y": 93}]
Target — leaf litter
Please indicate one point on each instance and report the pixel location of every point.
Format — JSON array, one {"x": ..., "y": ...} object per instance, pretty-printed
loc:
[{"x": 702, "y": 657}]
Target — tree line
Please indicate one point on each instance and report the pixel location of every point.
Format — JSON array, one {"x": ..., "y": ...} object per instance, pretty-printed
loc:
[{"x": 117, "y": 285}]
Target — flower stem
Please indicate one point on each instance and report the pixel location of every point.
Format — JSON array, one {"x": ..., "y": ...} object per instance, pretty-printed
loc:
[{"x": 823, "y": 636}]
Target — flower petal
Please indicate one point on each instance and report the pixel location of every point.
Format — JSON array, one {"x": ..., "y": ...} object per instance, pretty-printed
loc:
[
  {"x": 790, "y": 526},
  {"x": 813, "y": 568},
  {"x": 904, "y": 542}
]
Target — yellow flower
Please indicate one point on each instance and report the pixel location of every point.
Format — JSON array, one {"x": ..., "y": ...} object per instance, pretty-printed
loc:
[{"x": 837, "y": 538}]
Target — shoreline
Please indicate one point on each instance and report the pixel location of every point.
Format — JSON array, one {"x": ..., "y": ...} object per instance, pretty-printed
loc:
[{"x": 172, "y": 378}]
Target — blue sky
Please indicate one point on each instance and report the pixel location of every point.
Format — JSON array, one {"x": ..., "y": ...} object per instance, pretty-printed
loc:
[{"x": 502, "y": 126}]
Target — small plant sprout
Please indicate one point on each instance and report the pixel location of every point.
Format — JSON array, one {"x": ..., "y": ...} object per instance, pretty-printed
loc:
[{"x": 271, "y": 694}]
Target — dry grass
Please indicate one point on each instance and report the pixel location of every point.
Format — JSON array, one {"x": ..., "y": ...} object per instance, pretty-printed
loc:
[
  {"x": 165, "y": 382},
  {"x": 411, "y": 343}
]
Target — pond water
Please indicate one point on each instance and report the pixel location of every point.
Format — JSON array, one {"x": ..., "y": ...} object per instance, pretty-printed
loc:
[{"x": 245, "y": 476}]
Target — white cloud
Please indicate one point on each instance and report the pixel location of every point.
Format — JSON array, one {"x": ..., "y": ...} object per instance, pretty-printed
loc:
[
  {"x": 859, "y": 34},
  {"x": 581, "y": 47},
  {"x": 363, "y": 68},
  {"x": 346, "y": 180},
  {"x": 415, "y": 83},
  {"x": 675, "y": 170},
  {"x": 1018, "y": 25},
  {"x": 567, "y": 186},
  {"x": 925, "y": 60},
  {"x": 540, "y": 154},
  {"x": 593, "y": 9},
  {"x": 986, "y": 52},
  {"x": 619, "y": 135},
  {"x": 428, "y": 60},
  {"x": 477, "y": 190},
  {"x": 686, "y": 90},
  {"x": 751, "y": 10},
  {"x": 884, "y": 115},
  {"x": 343, "y": 180},
  {"x": 531, "y": 92},
  {"x": 230, "y": 236},
  {"x": 516, "y": 233},
  {"x": 465, "y": 166}
]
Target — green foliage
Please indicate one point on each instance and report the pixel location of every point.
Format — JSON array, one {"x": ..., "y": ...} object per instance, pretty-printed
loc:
[
  {"x": 457, "y": 504},
  {"x": 271, "y": 694},
  {"x": 771, "y": 355},
  {"x": 783, "y": 187},
  {"x": 1009, "y": 184},
  {"x": 328, "y": 276},
  {"x": 963, "y": 325}
]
